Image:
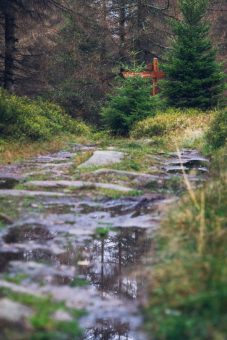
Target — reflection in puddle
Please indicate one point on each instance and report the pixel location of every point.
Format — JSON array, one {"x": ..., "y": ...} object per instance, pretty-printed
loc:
[
  {"x": 110, "y": 260},
  {"x": 106, "y": 263},
  {"x": 108, "y": 330}
]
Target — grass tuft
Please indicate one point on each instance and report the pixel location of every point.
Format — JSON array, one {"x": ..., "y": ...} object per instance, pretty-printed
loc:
[{"x": 188, "y": 289}]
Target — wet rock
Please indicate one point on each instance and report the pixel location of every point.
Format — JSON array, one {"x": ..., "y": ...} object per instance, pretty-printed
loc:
[
  {"x": 40, "y": 271},
  {"x": 73, "y": 297},
  {"x": 27, "y": 233},
  {"x": 179, "y": 169},
  {"x": 29, "y": 251},
  {"x": 61, "y": 315},
  {"x": 20, "y": 289},
  {"x": 123, "y": 206},
  {"x": 175, "y": 169},
  {"x": 103, "y": 158},
  {"x": 130, "y": 174},
  {"x": 77, "y": 185},
  {"x": 189, "y": 162},
  {"x": 14, "y": 312},
  {"x": 57, "y": 166},
  {"x": 8, "y": 182},
  {"x": 27, "y": 193},
  {"x": 57, "y": 157},
  {"x": 7, "y": 255},
  {"x": 189, "y": 157}
]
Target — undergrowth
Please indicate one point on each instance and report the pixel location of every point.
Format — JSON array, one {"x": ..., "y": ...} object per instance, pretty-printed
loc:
[
  {"x": 188, "y": 294},
  {"x": 23, "y": 118},
  {"x": 181, "y": 127},
  {"x": 217, "y": 133}
]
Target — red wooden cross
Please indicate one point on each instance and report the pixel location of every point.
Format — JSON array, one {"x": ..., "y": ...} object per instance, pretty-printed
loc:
[{"x": 152, "y": 72}]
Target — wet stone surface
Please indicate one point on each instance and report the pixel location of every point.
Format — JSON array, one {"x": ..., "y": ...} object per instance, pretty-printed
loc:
[
  {"x": 8, "y": 181},
  {"x": 84, "y": 247}
]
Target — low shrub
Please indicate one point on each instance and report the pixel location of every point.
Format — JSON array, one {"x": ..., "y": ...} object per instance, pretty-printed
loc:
[
  {"x": 217, "y": 134},
  {"x": 21, "y": 117},
  {"x": 130, "y": 103},
  {"x": 165, "y": 122}
]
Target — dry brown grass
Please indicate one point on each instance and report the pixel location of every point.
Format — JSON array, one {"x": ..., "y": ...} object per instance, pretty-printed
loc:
[
  {"x": 82, "y": 157},
  {"x": 184, "y": 128},
  {"x": 12, "y": 151}
]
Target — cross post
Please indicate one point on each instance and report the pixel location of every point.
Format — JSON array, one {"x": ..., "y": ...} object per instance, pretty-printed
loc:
[
  {"x": 155, "y": 78},
  {"x": 152, "y": 72}
]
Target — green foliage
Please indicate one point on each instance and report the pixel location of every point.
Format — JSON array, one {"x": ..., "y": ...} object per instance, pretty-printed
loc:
[
  {"x": 188, "y": 295},
  {"x": 78, "y": 282},
  {"x": 193, "y": 77},
  {"x": 102, "y": 231},
  {"x": 166, "y": 122},
  {"x": 217, "y": 134},
  {"x": 130, "y": 102},
  {"x": 37, "y": 120}
]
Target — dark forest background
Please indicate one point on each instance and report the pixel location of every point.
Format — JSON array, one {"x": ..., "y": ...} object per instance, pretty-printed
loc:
[{"x": 71, "y": 51}]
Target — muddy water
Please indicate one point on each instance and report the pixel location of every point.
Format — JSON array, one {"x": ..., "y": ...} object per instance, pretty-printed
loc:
[{"x": 82, "y": 247}]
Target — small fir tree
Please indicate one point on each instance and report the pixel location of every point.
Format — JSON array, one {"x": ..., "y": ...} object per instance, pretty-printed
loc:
[
  {"x": 193, "y": 76},
  {"x": 130, "y": 102}
]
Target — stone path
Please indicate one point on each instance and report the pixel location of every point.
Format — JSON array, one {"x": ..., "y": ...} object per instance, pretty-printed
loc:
[{"x": 85, "y": 242}]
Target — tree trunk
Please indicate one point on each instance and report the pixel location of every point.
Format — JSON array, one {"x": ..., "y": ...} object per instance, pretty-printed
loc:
[
  {"x": 10, "y": 49},
  {"x": 104, "y": 26},
  {"x": 139, "y": 29},
  {"x": 122, "y": 20}
]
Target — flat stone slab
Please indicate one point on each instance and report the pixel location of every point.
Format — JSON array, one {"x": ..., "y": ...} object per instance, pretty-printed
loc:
[
  {"x": 131, "y": 174},
  {"x": 77, "y": 185},
  {"x": 188, "y": 160},
  {"x": 27, "y": 193},
  {"x": 177, "y": 169},
  {"x": 35, "y": 269},
  {"x": 61, "y": 315},
  {"x": 8, "y": 175},
  {"x": 13, "y": 311},
  {"x": 56, "y": 165},
  {"x": 16, "y": 248},
  {"x": 103, "y": 157},
  {"x": 19, "y": 289}
]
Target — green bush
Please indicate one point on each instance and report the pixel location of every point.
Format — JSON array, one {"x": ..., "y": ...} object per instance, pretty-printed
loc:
[
  {"x": 217, "y": 134},
  {"x": 168, "y": 121},
  {"x": 34, "y": 119},
  {"x": 130, "y": 103}
]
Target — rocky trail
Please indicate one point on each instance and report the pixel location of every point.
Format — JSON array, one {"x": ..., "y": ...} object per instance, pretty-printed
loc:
[{"x": 84, "y": 235}]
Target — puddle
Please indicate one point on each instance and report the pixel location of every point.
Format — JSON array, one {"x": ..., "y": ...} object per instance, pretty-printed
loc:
[
  {"x": 27, "y": 233},
  {"x": 8, "y": 182},
  {"x": 104, "y": 264}
]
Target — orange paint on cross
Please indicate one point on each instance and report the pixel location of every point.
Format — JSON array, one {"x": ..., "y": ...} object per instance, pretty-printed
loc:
[{"x": 152, "y": 72}]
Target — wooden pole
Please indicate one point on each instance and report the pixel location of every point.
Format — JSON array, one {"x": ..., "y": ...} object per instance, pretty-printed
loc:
[{"x": 155, "y": 80}]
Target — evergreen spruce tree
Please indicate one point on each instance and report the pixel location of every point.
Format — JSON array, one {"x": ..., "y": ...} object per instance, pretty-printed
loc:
[
  {"x": 193, "y": 76},
  {"x": 129, "y": 103}
]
